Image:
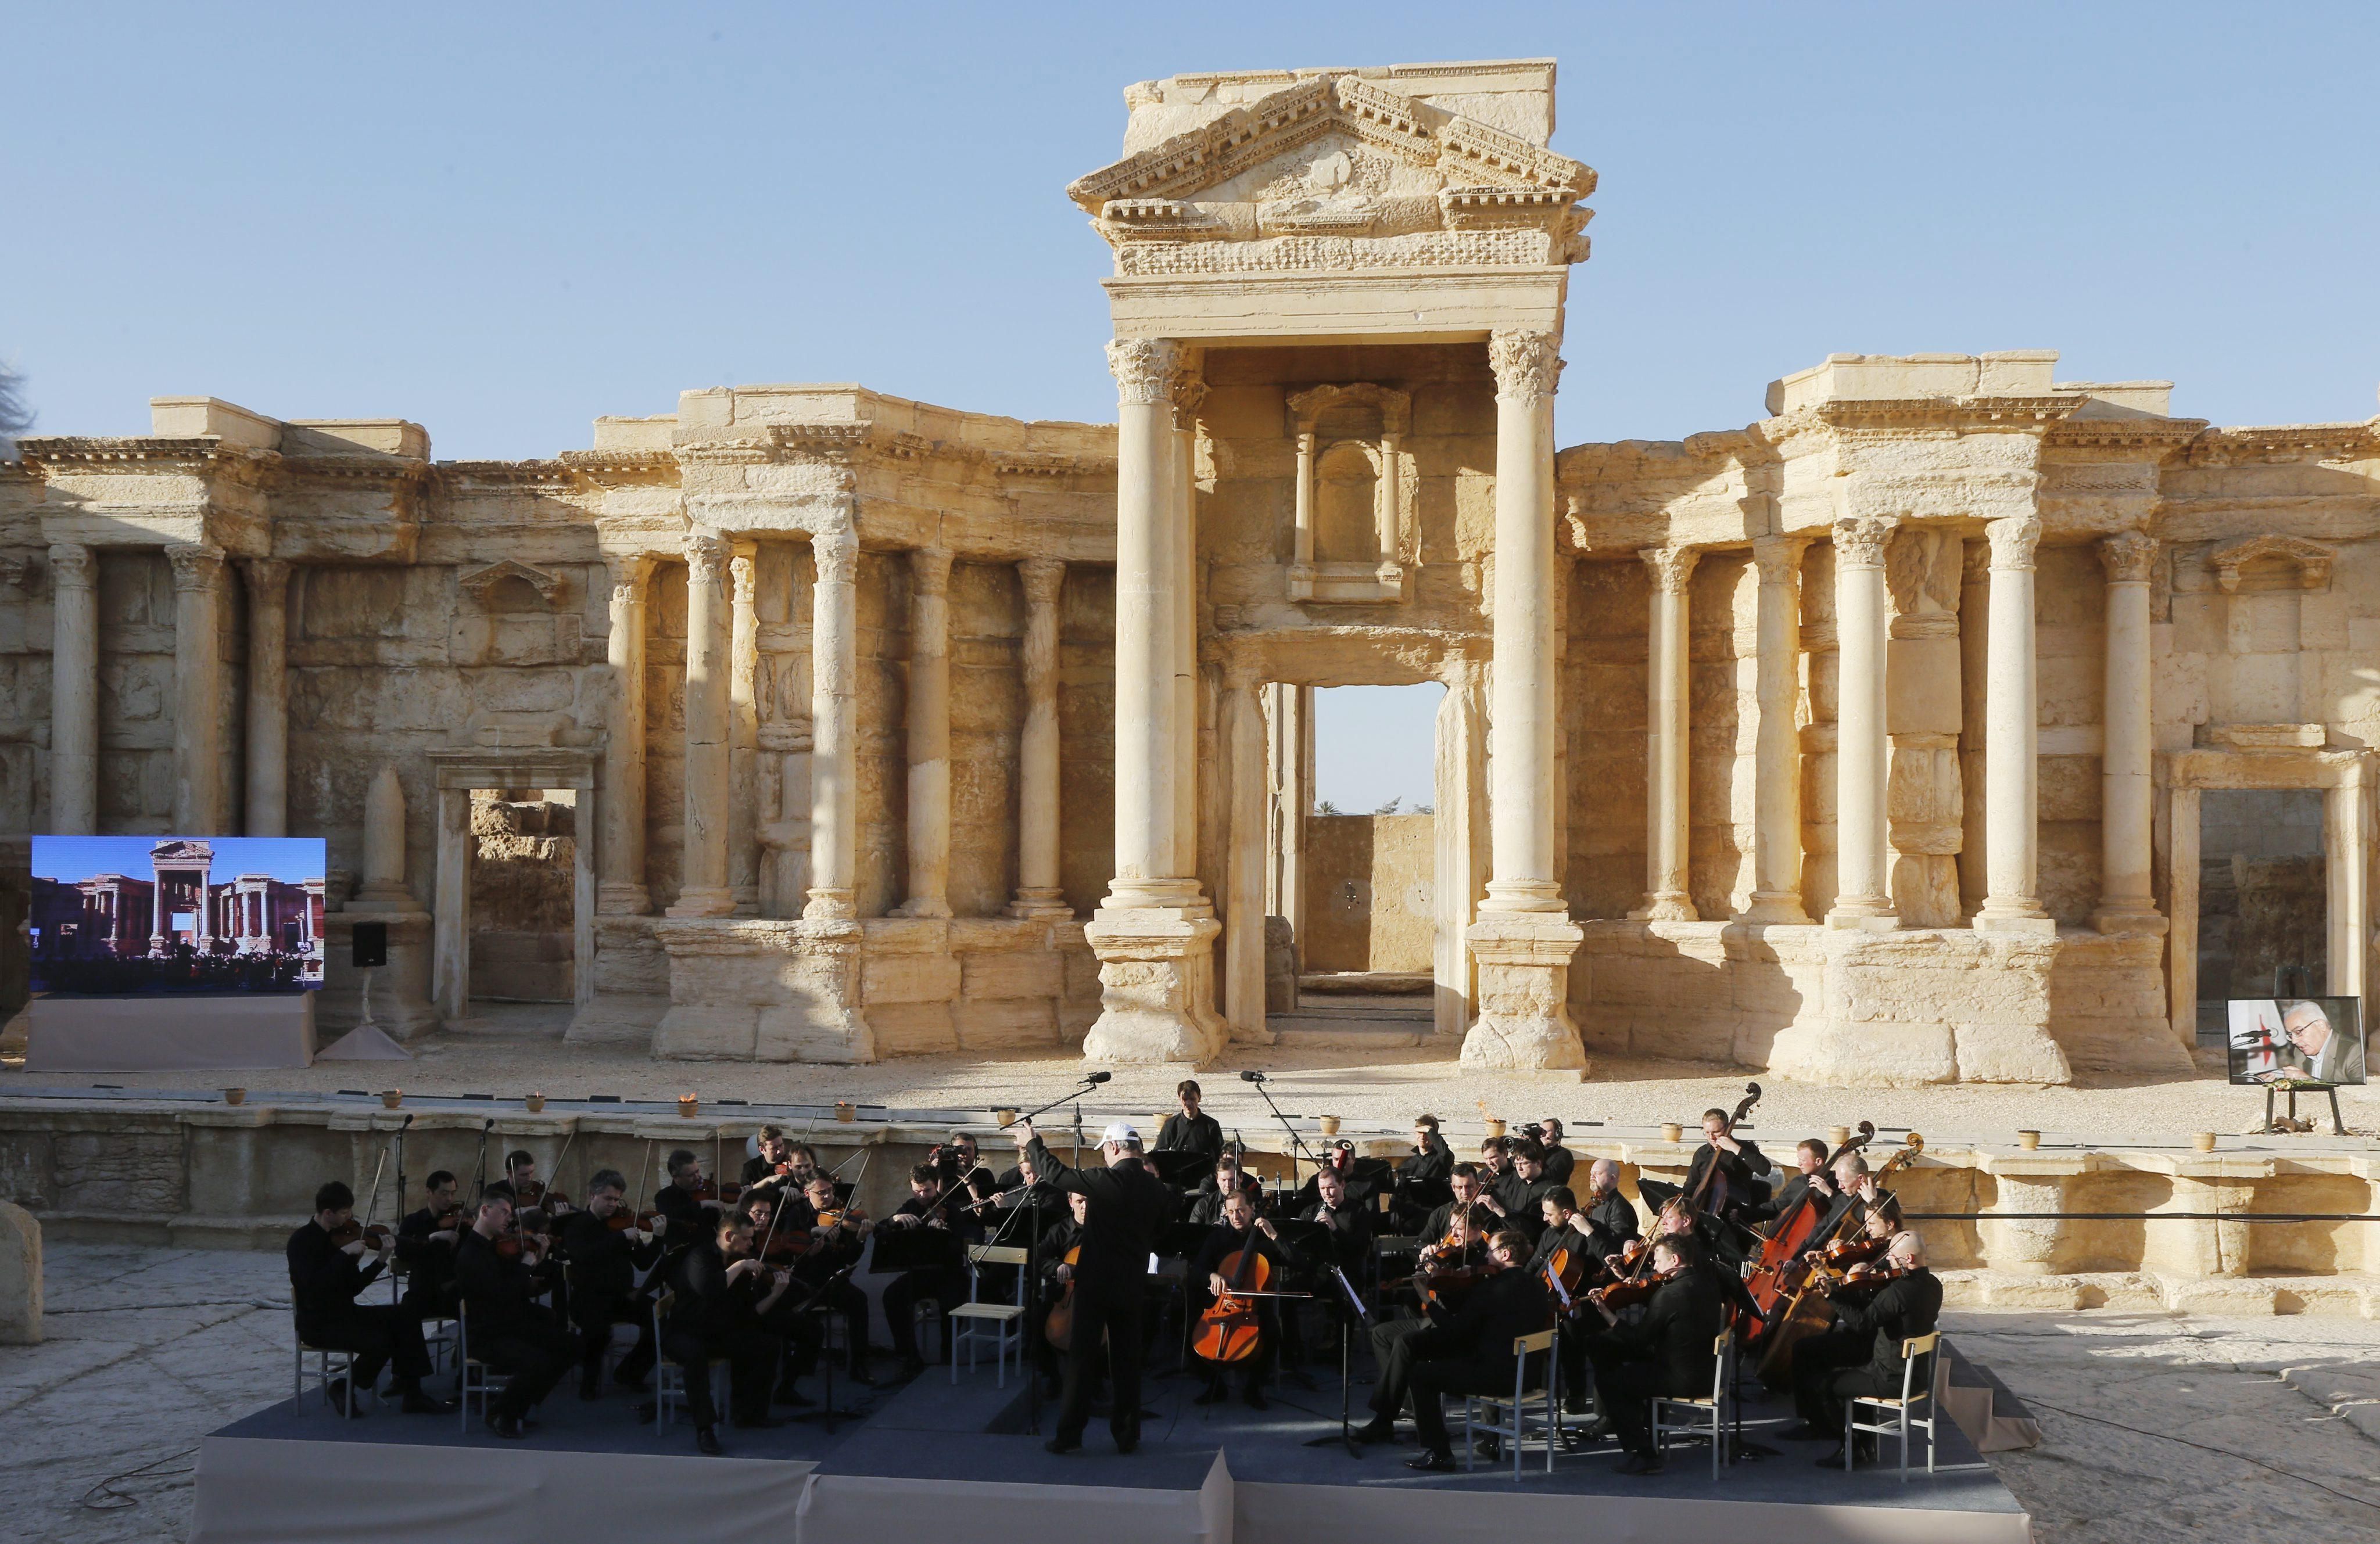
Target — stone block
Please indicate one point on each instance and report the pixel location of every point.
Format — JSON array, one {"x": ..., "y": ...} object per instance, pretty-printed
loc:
[
  {"x": 908, "y": 978},
  {"x": 912, "y": 1028},
  {"x": 1003, "y": 1023},
  {"x": 985, "y": 976},
  {"x": 20, "y": 1277}
]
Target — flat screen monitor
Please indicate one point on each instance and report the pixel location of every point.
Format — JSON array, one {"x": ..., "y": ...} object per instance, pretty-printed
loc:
[
  {"x": 140, "y": 916},
  {"x": 2277, "y": 1039}
]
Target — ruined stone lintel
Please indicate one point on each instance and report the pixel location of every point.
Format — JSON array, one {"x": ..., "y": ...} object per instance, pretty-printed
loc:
[
  {"x": 1524, "y": 1022},
  {"x": 1157, "y": 987}
]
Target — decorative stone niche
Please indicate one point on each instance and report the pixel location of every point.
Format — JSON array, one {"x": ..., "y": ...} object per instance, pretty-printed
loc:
[
  {"x": 1357, "y": 542},
  {"x": 514, "y": 614}
]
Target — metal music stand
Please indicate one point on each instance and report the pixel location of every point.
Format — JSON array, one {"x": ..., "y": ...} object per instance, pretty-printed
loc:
[
  {"x": 1358, "y": 1314},
  {"x": 816, "y": 1303}
]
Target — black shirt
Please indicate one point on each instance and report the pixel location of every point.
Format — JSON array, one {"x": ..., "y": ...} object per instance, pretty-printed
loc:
[
  {"x": 1740, "y": 1169},
  {"x": 496, "y": 1289},
  {"x": 428, "y": 1262},
  {"x": 685, "y": 1214},
  {"x": 1223, "y": 1240},
  {"x": 1787, "y": 1198},
  {"x": 1505, "y": 1305},
  {"x": 1902, "y": 1309},
  {"x": 1441, "y": 1222},
  {"x": 1435, "y": 1161},
  {"x": 604, "y": 1262},
  {"x": 1522, "y": 1201},
  {"x": 1679, "y": 1327},
  {"x": 703, "y": 1303},
  {"x": 1126, "y": 1205},
  {"x": 1350, "y": 1234},
  {"x": 323, "y": 1278},
  {"x": 1200, "y": 1133},
  {"x": 1559, "y": 1163}
]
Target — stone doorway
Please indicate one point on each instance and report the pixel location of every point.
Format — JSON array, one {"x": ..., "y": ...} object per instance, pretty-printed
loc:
[
  {"x": 2263, "y": 910},
  {"x": 489, "y": 870}
]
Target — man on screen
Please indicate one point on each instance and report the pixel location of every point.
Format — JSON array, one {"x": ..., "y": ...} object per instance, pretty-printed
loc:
[{"x": 2317, "y": 1049}]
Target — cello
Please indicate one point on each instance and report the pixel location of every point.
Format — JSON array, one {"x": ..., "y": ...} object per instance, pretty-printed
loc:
[
  {"x": 1710, "y": 1192},
  {"x": 1790, "y": 1235},
  {"x": 1804, "y": 1314},
  {"x": 1058, "y": 1324},
  {"x": 1229, "y": 1331}
]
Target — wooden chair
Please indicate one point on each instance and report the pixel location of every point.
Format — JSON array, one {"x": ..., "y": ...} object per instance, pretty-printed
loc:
[
  {"x": 1912, "y": 1351},
  {"x": 1516, "y": 1407},
  {"x": 1703, "y": 1415},
  {"x": 1001, "y": 1323}
]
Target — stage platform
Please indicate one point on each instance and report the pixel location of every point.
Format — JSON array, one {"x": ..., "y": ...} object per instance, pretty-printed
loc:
[{"x": 930, "y": 1460}]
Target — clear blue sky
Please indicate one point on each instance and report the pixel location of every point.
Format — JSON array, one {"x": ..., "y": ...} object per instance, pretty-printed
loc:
[
  {"x": 69, "y": 859},
  {"x": 501, "y": 220}
]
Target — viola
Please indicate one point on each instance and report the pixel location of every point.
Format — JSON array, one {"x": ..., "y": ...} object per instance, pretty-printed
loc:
[
  {"x": 1229, "y": 1330},
  {"x": 623, "y": 1219},
  {"x": 1844, "y": 1253}
]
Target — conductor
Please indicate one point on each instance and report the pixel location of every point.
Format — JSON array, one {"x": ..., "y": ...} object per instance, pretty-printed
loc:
[{"x": 1122, "y": 1203}]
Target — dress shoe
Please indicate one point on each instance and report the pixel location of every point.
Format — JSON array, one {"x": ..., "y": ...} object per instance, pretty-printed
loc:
[
  {"x": 1375, "y": 1431},
  {"x": 1127, "y": 1445},
  {"x": 416, "y": 1403},
  {"x": 341, "y": 1400},
  {"x": 1061, "y": 1446},
  {"x": 1433, "y": 1463},
  {"x": 1640, "y": 1464},
  {"x": 706, "y": 1439},
  {"x": 507, "y": 1427},
  {"x": 1489, "y": 1448},
  {"x": 1831, "y": 1461},
  {"x": 1255, "y": 1400}
]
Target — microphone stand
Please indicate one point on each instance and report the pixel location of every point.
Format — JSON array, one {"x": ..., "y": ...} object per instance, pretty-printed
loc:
[
  {"x": 1032, "y": 1374},
  {"x": 1297, "y": 1144}
]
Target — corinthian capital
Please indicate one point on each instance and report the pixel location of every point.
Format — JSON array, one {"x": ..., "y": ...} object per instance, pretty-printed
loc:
[
  {"x": 2128, "y": 556},
  {"x": 630, "y": 572},
  {"x": 2013, "y": 540},
  {"x": 197, "y": 568},
  {"x": 1778, "y": 558},
  {"x": 1144, "y": 368},
  {"x": 1526, "y": 364},
  {"x": 1860, "y": 541},
  {"x": 708, "y": 556},
  {"x": 71, "y": 566},
  {"x": 1044, "y": 577},
  {"x": 1672, "y": 566},
  {"x": 837, "y": 553}
]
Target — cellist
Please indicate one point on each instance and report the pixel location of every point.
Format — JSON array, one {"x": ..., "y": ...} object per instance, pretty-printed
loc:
[
  {"x": 1810, "y": 1177},
  {"x": 1058, "y": 1240},
  {"x": 1240, "y": 1231}
]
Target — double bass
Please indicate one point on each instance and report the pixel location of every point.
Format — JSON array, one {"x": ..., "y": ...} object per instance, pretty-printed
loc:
[
  {"x": 1804, "y": 1314},
  {"x": 1790, "y": 1235},
  {"x": 1710, "y": 1193}
]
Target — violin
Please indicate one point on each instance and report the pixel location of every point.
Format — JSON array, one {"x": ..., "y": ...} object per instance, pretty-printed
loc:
[
  {"x": 1880, "y": 1276},
  {"x": 538, "y": 1193},
  {"x": 377, "y": 1234},
  {"x": 623, "y": 1219},
  {"x": 1562, "y": 1272},
  {"x": 1633, "y": 1289},
  {"x": 1229, "y": 1330}
]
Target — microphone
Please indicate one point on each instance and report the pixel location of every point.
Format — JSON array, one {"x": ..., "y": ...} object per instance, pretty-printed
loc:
[
  {"x": 1097, "y": 1077},
  {"x": 1252, "y": 1077}
]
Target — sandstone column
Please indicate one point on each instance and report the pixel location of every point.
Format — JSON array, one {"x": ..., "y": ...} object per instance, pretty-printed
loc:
[
  {"x": 1243, "y": 905},
  {"x": 929, "y": 735},
  {"x": 623, "y": 890},
  {"x": 834, "y": 729},
  {"x": 708, "y": 781},
  {"x": 2126, "y": 902},
  {"x": 1188, "y": 391},
  {"x": 1862, "y": 751},
  {"x": 1300, "y": 560},
  {"x": 1666, "y": 773},
  {"x": 73, "y": 690},
  {"x": 200, "y": 808},
  {"x": 1459, "y": 833},
  {"x": 1038, "y": 893},
  {"x": 268, "y": 697},
  {"x": 1524, "y": 939},
  {"x": 1777, "y": 758},
  {"x": 744, "y": 734},
  {"x": 2011, "y": 762},
  {"x": 450, "y": 935},
  {"x": 1154, "y": 933}
]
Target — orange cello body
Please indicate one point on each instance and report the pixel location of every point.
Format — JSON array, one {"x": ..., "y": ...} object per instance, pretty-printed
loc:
[
  {"x": 1775, "y": 1272},
  {"x": 1058, "y": 1325},
  {"x": 1229, "y": 1330}
]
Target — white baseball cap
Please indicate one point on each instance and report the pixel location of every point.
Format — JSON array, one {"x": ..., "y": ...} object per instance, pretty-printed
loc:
[{"x": 1119, "y": 1131}]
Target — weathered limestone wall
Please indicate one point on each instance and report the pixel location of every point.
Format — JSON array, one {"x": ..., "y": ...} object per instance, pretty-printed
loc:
[
  {"x": 1370, "y": 892},
  {"x": 1603, "y": 721},
  {"x": 2070, "y": 634},
  {"x": 1723, "y": 641},
  {"x": 136, "y": 692},
  {"x": 20, "y": 1277}
]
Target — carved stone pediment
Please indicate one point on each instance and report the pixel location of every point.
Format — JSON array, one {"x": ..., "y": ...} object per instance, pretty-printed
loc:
[
  {"x": 481, "y": 583},
  {"x": 1341, "y": 159},
  {"x": 2311, "y": 559}
]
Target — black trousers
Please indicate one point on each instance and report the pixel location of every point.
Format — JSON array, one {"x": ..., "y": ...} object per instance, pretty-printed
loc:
[
  {"x": 1430, "y": 1380},
  {"x": 1828, "y": 1369},
  {"x": 595, "y": 1313},
  {"x": 845, "y": 1300},
  {"x": 1108, "y": 1315},
  {"x": 911, "y": 1287},
  {"x": 1398, "y": 1347},
  {"x": 752, "y": 1356},
  {"x": 533, "y": 1355},
  {"x": 380, "y": 1335},
  {"x": 1624, "y": 1387}
]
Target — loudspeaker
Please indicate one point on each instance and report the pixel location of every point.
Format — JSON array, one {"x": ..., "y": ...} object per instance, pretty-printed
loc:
[{"x": 370, "y": 946}]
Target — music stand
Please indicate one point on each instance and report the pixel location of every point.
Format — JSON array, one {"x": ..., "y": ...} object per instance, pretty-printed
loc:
[
  {"x": 816, "y": 1303},
  {"x": 1359, "y": 1315},
  {"x": 1182, "y": 1167}
]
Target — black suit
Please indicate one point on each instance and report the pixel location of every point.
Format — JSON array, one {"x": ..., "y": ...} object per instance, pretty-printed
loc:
[
  {"x": 429, "y": 1266},
  {"x": 1182, "y": 1133},
  {"x": 706, "y": 1321},
  {"x": 1466, "y": 1351},
  {"x": 602, "y": 1266},
  {"x": 1119, "y": 1233},
  {"x": 505, "y": 1329},
  {"x": 323, "y": 1280},
  {"x": 1667, "y": 1351},
  {"x": 1862, "y": 1354}
]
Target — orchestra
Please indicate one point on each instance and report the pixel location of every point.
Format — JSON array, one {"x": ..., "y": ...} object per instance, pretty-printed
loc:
[{"x": 1437, "y": 1265}]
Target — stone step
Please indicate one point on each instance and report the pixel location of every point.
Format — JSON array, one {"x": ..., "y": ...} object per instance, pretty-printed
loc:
[{"x": 1373, "y": 1031}]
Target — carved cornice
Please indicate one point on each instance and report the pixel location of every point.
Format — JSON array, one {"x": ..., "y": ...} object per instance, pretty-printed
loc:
[
  {"x": 1144, "y": 369},
  {"x": 2285, "y": 442},
  {"x": 1944, "y": 412},
  {"x": 2158, "y": 434},
  {"x": 1527, "y": 364},
  {"x": 479, "y": 582},
  {"x": 2014, "y": 541},
  {"x": 604, "y": 465},
  {"x": 1395, "y": 408},
  {"x": 102, "y": 450},
  {"x": 2128, "y": 556}
]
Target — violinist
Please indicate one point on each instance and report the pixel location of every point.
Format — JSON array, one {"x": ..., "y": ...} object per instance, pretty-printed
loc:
[
  {"x": 1558, "y": 1160},
  {"x": 1189, "y": 1131},
  {"x": 1610, "y": 1221},
  {"x": 506, "y": 1327},
  {"x": 1874, "y": 1209},
  {"x": 946, "y": 1284},
  {"x": 684, "y": 1200},
  {"x": 520, "y": 1173},
  {"x": 774, "y": 1165},
  {"x": 1241, "y": 1229},
  {"x": 1124, "y": 1202},
  {"x": 823, "y": 1274},
  {"x": 1570, "y": 1239},
  {"x": 1466, "y": 1350},
  {"x": 1495, "y": 1161},
  {"x": 604, "y": 1263},
  {"x": 1861, "y": 1354},
  {"x": 771, "y": 1299},
  {"x": 1667, "y": 1351},
  {"x": 331, "y": 1261},
  {"x": 706, "y": 1320},
  {"x": 425, "y": 1247}
]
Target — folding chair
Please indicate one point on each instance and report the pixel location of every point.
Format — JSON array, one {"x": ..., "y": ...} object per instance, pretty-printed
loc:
[
  {"x": 1704, "y": 1415},
  {"x": 1549, "y": 1388},
  {"x": 1001, "y": 1323},
  {"x": 471, "y": 1375},
  {"x": 322, "y": 1370},
  {"x": 1911, "y": 1397},
  {"x": 669, "y": 1378}
]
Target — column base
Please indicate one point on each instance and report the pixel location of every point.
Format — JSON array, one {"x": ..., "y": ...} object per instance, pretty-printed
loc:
[
  {"x": 1525, "y": 896},
  {"x": 1775, "y": 909},
  {"x": 1041, "y": 905},
  {"x": 1524, "y": 1022},
  {"x": 1665, "y": 905},
  {"x": 1157, "y": 985},
  {"x": 836, "y": 905},
  {"x": 621, "y": 901},
  {"x": 2130, "y": 917},
  {"x": 714, "y": 901},
  {"x": 919, "y": 906},
  {"x": 1864, "y": 914},
  {"x": 2030, "y": 919}
]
